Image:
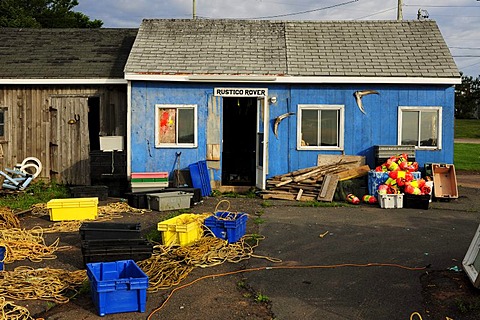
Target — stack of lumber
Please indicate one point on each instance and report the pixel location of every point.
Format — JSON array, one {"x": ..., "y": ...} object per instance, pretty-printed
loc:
[{"x": 315, "y": 183}]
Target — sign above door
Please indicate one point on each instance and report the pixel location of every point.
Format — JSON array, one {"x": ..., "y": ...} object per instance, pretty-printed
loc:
[{"x": 240, "y": 92}]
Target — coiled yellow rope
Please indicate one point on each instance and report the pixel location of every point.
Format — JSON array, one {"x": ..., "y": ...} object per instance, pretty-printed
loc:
[
  {"x": 11, "y": 311},
  {"x": 26, "y": 283},
  {"x": 169, "y": 265},
  {"x": 21, "y": 244},
  {"x": 8, "y": 219}
]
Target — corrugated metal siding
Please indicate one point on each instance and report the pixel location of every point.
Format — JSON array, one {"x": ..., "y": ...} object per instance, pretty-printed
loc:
[{"x": 362, "y": 131}]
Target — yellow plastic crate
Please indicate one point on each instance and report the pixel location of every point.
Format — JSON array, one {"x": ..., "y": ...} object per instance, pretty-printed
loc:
[
  {"x": 182, "y": 230},
  {"x": 73, "y": 209}
]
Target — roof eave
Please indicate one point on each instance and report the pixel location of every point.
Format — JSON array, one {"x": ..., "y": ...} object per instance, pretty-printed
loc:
[
  {"x": 34, "y": 81},
  {"x": 293, "y": 79}
]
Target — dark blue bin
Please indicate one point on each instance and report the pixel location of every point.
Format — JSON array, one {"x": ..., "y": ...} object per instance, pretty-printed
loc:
[
  {"x": 200, "y": 178},
  {"x": 119, "y": 286},
  {"x": 227, "y": 225},
  {"x": 2, "y": 257}
]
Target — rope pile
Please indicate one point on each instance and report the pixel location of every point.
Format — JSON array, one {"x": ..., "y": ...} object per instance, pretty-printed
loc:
[
  {"x": 21, "y": 244},
  {"x": 26, "y": 283},
  {"x": 168, "y": 265},
  {"x": 8, "y": 219},
  {"x": 105, "y": 213},
  {"x": 11, "y": 311},
  {"x": 113, "y": 208}
]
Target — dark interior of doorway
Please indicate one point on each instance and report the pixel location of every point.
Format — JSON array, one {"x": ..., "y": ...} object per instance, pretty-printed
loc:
[
  {"x": 94, "y": 122},
  {"x": 239, "y": 132}
]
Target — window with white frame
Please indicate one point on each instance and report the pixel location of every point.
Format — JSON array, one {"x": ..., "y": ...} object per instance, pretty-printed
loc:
[
  {"x": 320, "y": 127},
  {"x": 420, "y": 126},
  {"x": 175, "y": 126}
]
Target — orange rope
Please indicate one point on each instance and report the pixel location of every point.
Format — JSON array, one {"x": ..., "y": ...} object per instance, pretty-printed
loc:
[{"x": 282, "y": 267}]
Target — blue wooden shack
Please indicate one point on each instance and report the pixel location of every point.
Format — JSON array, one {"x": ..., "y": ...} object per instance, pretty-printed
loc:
[{"x": 257, "y": 99}]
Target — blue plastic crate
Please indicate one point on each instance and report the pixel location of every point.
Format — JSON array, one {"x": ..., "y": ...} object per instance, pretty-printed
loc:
[
  {"x": 119, "y": 286},
  {"x": 227, "y": 225},
  {"x": 375, "y": 179},
  {"x": 200, "y": 178}
]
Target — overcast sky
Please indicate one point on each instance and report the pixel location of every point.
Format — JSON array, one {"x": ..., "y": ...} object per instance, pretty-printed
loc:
[{"x": 458, "y": 20}]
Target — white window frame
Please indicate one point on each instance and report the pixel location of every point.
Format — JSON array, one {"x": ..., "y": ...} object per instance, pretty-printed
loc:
[
  {"x": 438, "y": 109},
  {"x": 157, "y": 126},
  {"x": 341, "y": 129}
]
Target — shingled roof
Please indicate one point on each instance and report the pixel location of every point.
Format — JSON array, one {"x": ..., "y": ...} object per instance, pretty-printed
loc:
[
  {"x": 291, "y": 48},
  {"x": 64, "y": 53}
]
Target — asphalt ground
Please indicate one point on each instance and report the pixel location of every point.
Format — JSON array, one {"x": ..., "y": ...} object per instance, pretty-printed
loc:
[{"x": 356, "y": 262}]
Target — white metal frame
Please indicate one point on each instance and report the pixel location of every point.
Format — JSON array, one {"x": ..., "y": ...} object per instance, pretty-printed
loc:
[
  {"x": 157, "y": 127},
  {"x": 471, "y": 262},
  {"x": 421, "y": 109},
  {"x": 341, "y": 129},
  {"x": 263, "y": 116}
]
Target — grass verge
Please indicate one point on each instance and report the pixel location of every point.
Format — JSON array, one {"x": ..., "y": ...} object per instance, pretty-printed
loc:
[
  {"x": 467, "y": 156},
  {"x": 37, "y": 192},
  {"x": 467, "y": 129}
]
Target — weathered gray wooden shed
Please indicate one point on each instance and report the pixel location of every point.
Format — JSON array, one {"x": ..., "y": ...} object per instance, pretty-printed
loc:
[{"x": 60, "y": 89}]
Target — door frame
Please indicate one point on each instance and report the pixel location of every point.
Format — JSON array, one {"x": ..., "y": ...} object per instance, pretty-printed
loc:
[
  {"x": 261, "y": 167},
  {"x": 261, "y": 163}
]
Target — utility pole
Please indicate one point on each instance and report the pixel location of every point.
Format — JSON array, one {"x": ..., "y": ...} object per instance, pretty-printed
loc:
[
  {"x": 194, "y": 9},
  {"x": 399, "y": 10}
]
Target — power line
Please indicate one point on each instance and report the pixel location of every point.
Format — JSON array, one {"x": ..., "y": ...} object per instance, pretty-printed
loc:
[
  {"x": 470, "y": 65},
  {"x": 433, "y": 6},
  {"x": 376, "y": 13},
  {"x": 307, "y": 11},
  {"x": 466, "y": 48}
]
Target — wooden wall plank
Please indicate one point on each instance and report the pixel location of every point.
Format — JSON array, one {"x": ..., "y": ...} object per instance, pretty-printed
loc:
[{"x": 31, "y": 126}]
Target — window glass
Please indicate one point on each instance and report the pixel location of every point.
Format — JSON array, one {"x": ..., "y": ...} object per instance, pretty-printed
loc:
[
  {"x": 410, "y": 128},
  {"x": 428, "y": 125},
  {"x": 420, "y": 126},
  {"x": 175, "y": 126},
  {"x": 186, "y": 126},
  {"x": 329, "y": 127},
  {"x": 320, "y": 127},
  {"x": 310, "y": 127}
]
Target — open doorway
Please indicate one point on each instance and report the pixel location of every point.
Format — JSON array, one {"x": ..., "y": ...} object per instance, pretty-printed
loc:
[
  {"x": 239, "y": 141},
  {"x": 94, "y": 122}
]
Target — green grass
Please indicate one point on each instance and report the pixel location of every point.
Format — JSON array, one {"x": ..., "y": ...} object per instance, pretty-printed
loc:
[
  {"x": 467, "y": 156},
  {"x": 37, "y": 192},
  {"x": 467, "y": 129}
]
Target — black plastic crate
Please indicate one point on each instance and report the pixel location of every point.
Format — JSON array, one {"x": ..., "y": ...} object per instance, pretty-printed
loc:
[
  {"x": 101, "y": 192},
  {"x": 416, "y": 201},
  {"x": 109, "y": 230},
  {"x": 116, "y": 249}
]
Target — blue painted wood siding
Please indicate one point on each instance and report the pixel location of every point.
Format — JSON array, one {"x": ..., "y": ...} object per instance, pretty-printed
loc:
[{"x": 379, "y": 126}]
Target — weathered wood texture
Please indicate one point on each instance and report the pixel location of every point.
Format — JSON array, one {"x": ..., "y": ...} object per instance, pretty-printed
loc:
[
  {"x": 37, "y": 125},
  {"x": 314, "y": 183}
]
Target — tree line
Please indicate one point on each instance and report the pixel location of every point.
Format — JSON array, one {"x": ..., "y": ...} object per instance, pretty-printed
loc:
[
  {"x": 467, "y": 98},
  {"x": 44, "y": 14}
]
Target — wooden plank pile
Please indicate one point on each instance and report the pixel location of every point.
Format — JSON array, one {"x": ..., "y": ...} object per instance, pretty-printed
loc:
[{"x": 315, "y": 183}]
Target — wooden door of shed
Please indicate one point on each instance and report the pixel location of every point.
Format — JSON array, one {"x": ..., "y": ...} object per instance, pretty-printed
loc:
[{"x": 69, "y": 140}]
